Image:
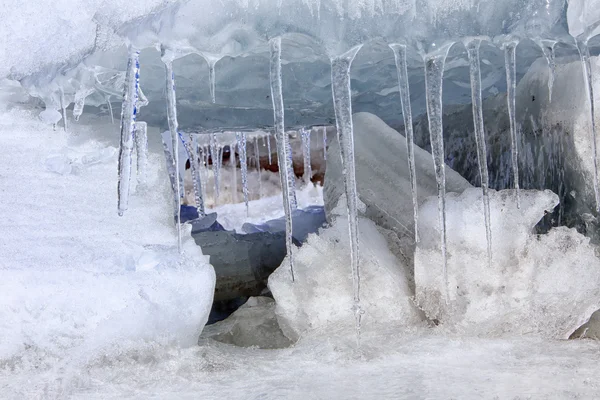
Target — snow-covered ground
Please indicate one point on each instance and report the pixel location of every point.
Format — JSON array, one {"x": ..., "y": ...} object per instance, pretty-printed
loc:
[{"x": 86, "y": 312}]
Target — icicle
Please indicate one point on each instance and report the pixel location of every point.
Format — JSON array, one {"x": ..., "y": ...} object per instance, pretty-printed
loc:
[
  {"x": 548, "y": 50},
  {"x": 401, "y": 68},
  {"x": 306, "y": 154},
  {"x": 214, "y": 155},
  {"x": 171, "y": 170},
  {"x": 128, "y": 116},
  {"x": 257, "y": 162},
  {"x": 112, "y": 116},
  {"x": 342, "y": 101},
  {"x": 480, "y": 139},
  {"x": 79, "y": 104},
  {"x": 233, "y": 163},
  {"x": 173, "y": 126},
  {"x": 283, "y": 147},
  {"x": 510, "y": 62},
  {"x": 325, "y": 143},
  {"x": 268, "y": 138},
  {"x": 241, "y": 142},
  {"x": 218, "y": 170},
  {"x": 194, "y": 157},
  {"x": 584, "y": 54},
  {"x": 434, "y": 74},
  {"x": 63, "y": 107},
  {"x": 141, "y": 149}
]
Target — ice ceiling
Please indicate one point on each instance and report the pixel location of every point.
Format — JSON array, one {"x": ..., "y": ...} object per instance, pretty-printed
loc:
[{"x": 79, "y": 48}]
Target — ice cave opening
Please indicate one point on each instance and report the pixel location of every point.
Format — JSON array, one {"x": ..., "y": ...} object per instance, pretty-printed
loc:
[{"x": 299, "y": 199}]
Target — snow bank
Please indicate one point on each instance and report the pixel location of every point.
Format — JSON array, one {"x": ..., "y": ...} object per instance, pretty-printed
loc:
[
  {"x": 321, "y": 295},
  {"x": 78, "y": 281},
  {"x": 545, "y": 285}
]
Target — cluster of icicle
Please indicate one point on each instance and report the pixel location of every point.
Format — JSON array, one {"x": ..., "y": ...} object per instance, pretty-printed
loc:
[{"x": 340, "y": 75}]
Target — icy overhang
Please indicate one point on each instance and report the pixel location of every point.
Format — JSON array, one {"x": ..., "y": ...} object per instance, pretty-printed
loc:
[{"x": 77, "y": 50}]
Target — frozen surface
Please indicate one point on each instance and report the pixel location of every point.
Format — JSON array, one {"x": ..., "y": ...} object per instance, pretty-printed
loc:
[
  {"x": 321, "y": 296},
  {"x": 544, "y": 285},
  {"x": 79, "y": 282}
]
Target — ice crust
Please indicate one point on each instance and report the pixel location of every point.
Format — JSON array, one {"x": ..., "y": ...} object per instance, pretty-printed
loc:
[{"x": 543, "y": 285}]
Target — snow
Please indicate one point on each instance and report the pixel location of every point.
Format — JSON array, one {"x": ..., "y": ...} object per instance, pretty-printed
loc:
[
  {"x": 79, "y": 282},
  {"x": 543, "y": 285}
]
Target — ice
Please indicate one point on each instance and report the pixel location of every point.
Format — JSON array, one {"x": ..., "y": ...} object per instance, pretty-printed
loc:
[
  {"x": 172, "y": 120},
  {"x": 63, "y": 106},
  {"x": 267, "y": 138},
  {"x": 434, "y": 74},
  {"x": 548, "y": 50},
  {"x": 305, "y": 133},
  {"x": 321, "y": 299},
  {"x": 286, "y": 173},
  {"x": 510, "y": 62},
  {"x": 473, "y": 46},
  {"x": 50, "y": 117},
  {"x": 542, "y": 285},
  {"x": 324, "y": 132},
  {"x": 401, "y": 68},
  {"x": 141, "y": 149},
  {"x": 586, "y": 64},
  {"x": 192, "y": 151},
  {"x": 110, "y": 110},
  {"x": 128, "y": 117},
  {"x": 214, "y": 155},
  {"x": 241, "y": 144},
  {"x": 257, "y": 165}
]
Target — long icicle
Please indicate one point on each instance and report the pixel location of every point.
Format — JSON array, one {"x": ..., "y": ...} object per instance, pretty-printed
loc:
[
  {"x": 218, "y": 170},
  {"x": 434, "y": 75},
  {"x": 584, "y": 54},
  {"x": 173, "y": 127},
  {"x": 548, "y": 50},
  {"x": 233, "y": 163},
  {"x": 241, "y": 142},
  {"x": 128, "y": 116},
  {"x": 283, "y": 146},
  {"x": 212, "y": 78},
  {"x": 268, "y": 139},
  {"x": 306, "y": 154},
  {"x": 141, "y": 149},
  {"x": 342, "y": 101},
  {"x": 257, "y": 161},
  {"x": 214, "y": 154},
  {"x": 402, "y": 70},
  {"x": 480, "y": 138},
  {"x": 510, "y": 64},
  {"x": 325, "y": 143},
  {"x": 110, "y": 109},
  {"x": 192, "y": 149}
]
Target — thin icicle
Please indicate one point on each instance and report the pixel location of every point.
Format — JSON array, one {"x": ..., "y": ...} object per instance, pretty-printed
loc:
[
  {"x": 306, "y": 154},
  {"x": 584, "y": 54},
  {"x": 192, "y": 149},
  {"x": 128, "y": 116},
  {"x": 434, "y": 74},
  {"x": 218, "y": 169},
  {"x": 214, "y": 155},
  {"x": 173, "y": 126},
  {"x": 233, "y": 164},
  {"x": 171, "y": 170},
  {"x": 401, "y": 69},
  {"x": 257, "y": 163},
  {"x": 212, "y": 78},
  {"x": 268, "y": 139},
  {"x": 79, "y": 104},
  {"x": 548, "y": 50},
  {"x": 342, "y": 101},
  {"x": 63, "y": 107},
  {"x": 141, "y": 149},
  {"x": 110, "y": 109},
  {"x": 283, "y": 147},
  {"x": 480, "y": 139},
  {"x": 241, "y": 142},
  {"x": 510, "y": 63},
  {"x": 325, "y": 143}
]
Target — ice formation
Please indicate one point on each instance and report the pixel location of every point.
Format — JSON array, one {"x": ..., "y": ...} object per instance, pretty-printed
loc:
[
  {"x": 510, "y": 61},
  {"x": 323, "y": 298},
  {"x": 544, "y": 285}
]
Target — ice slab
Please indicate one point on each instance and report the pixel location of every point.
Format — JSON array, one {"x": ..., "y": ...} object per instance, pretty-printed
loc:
[{"x": 543, "y": 285}]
